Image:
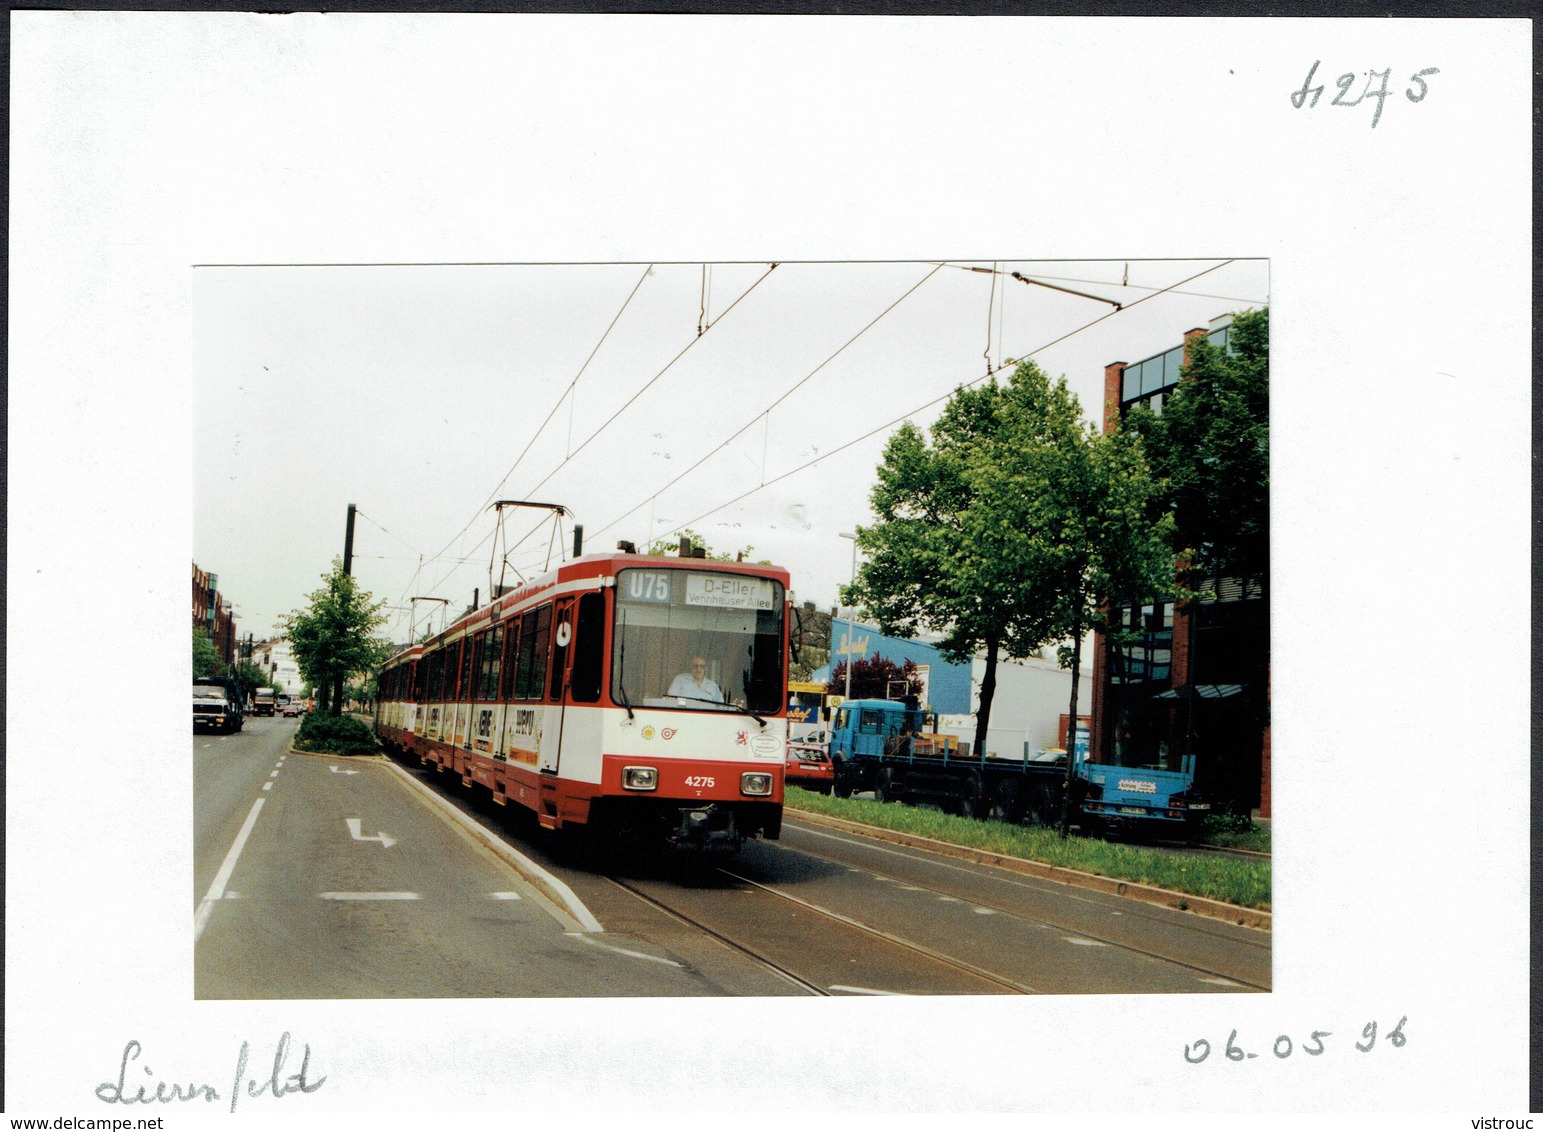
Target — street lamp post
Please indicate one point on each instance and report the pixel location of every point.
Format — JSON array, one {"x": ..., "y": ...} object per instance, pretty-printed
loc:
[{"x": 848, "y": 643}]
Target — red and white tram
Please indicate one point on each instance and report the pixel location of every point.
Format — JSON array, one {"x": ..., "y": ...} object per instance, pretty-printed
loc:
[{"x": 620, "y": 692}]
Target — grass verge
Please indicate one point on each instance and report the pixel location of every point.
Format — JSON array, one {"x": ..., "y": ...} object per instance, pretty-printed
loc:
[{"x": 1241, "y": 882}]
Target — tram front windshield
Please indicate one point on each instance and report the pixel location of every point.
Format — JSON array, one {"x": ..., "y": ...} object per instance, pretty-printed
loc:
[{"x": 697, "y": 641}]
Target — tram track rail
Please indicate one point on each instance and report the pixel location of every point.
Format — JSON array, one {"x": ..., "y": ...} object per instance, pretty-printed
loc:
[
  {"x": 1219, "y": 933},
  {"x": 1002, "y": 909},
  {"x": 891, "y": 939},
  {"x": 712, "y": 933},
  {"x": 752, "y": 953}
]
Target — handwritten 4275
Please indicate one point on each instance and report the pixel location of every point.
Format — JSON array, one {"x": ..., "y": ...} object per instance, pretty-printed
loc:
[{"x": 1307, "y": 96}]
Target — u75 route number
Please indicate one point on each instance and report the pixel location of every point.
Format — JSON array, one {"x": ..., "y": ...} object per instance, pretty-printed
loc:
[{"x": 1283, "y": 1046}]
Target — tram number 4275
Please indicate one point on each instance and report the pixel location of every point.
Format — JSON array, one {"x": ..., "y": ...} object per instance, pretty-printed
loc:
[
  {"x": 699, "y": 780},
  {"x": 1284, "y": 1047}
]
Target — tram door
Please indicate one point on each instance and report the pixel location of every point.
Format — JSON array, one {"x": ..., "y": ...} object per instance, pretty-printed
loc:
[
  {"x": 578, "y": 656},
  {"x": 557, "y": 683}
]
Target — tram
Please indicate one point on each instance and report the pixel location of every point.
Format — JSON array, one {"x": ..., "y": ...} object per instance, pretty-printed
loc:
[{"x": 624, "y": 693}]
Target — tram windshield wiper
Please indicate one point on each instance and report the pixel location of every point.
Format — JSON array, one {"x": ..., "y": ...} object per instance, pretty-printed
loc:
[
  {"x": 621, "y": 668},
  {"x": 724, "y": 705}
]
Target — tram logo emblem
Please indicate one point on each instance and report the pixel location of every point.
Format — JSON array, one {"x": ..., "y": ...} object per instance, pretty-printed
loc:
[
  {"x": 668, "y": 733},
  {"x": 741, "y": 738},
  {"x": 648, "y": 732}
]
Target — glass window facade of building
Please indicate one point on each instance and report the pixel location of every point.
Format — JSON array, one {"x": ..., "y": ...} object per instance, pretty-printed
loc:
[
  {"x": 1147, "y": 657},
  {"x": 1148, "y": 382}
]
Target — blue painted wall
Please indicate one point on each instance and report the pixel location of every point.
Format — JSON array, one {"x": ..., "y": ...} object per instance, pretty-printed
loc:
[{"x": 948, "y": 684}]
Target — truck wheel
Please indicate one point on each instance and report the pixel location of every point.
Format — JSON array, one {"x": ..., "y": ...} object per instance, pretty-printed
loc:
[
  {"x": 1007, "y": 802},
  {"x": 974, "y": 801},
  {"x": 1044, "y": 806},
  {"x": 842, "y": 786},
  {"x": 884, "y": 786}
]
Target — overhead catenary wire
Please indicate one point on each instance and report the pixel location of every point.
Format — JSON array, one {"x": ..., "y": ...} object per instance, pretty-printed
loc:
[
  {"x": 766, "y": 412},
  {"x": 492, "y": 495},
  {"x": 647, "y": 385},
  {"x": 935, "y": 401},
  {"x": 609, "y": 421},
  {"x": 763, "y": 415},
  {"x": 1037, "y": 277}
]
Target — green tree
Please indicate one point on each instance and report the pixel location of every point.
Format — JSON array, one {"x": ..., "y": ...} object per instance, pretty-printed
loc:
[
  {"x": 1115, "y": 549},
  {"x": 1210, "y": 448},
  {"x": 964, "y": 546},
  {"x": 333, "y": 638},
  {"x": 253, "y": 676},
  {"x": 206, "y": 661}
]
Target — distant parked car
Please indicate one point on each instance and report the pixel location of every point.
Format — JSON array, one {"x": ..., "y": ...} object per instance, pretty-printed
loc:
[
  {"x": 293, "y": 708},
  {"x": 810, "y": 767}
]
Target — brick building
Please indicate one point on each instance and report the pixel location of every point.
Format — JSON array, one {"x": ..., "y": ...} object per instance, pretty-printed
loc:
[
  {"x": 211, "y": 614},
  {"x": 1197, "y": 679}
]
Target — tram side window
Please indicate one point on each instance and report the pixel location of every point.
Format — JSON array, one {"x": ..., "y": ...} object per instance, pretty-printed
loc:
[
  {"x": 588, "y": 648},
  {"x": 543, "y": 639},
  {"x": 463, "y": 689},
  {"x": 560, "y": 655},
  {"x": 492, "y": 659},
  {"x": 512, "y": 664},
  {"x": 535, "y": 635}
]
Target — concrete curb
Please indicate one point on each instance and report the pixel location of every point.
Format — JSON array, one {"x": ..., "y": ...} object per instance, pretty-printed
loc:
[{"x": 1148, "y": 894}]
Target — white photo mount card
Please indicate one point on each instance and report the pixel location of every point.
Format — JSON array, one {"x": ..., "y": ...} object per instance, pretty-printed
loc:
[{"x": 690, "y": 275}]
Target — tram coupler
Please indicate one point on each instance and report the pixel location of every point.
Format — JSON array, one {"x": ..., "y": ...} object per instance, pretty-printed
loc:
[{"x": 708, "y": 829}]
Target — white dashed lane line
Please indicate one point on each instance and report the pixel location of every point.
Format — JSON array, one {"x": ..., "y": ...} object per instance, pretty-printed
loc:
[{"x": 370, "y": 896}]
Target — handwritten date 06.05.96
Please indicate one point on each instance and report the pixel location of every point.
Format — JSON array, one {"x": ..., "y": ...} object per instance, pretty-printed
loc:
[
  {"x": 1306, "y": 97},
  {"x": 1314, "y": 1046}
]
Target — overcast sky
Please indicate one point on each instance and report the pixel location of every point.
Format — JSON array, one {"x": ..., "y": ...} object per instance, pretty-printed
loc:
[{"x": 748, "y": 402}]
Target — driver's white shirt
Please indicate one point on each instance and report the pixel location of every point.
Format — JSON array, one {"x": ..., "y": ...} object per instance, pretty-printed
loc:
[{"x": 684, "y": 686}]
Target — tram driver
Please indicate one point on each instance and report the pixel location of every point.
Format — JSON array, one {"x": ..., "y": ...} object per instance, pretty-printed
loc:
[{"x": 695, "y": 684}]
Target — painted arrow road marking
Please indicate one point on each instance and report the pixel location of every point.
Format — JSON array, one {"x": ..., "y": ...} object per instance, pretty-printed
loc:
[
  {"x": 353, "y": 828},
  {"x": 335, "y": 770}
]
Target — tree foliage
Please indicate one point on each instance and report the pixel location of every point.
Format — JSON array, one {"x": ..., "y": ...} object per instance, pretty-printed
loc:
[
  {"x": 1210, "y": 447},
  {"x": 1014, "y": 529},
  {"x": 206, "y": 660},
  {"x": 970, "y": 541},
  {"x": 333, "y": 638},
  {"x": 875, "y": 678},
  {"x": 254, "y": 676}
]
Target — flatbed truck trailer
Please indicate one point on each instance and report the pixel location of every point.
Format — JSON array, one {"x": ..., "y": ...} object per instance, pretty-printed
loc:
[{"x": 894, "y": 749}]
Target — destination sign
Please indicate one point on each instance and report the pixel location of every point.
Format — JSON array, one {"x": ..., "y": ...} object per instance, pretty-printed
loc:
[{"x": 730, "y": 591}]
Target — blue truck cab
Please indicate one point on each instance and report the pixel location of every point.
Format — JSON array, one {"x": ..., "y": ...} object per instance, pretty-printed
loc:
[{"x": 865, "y": 732}]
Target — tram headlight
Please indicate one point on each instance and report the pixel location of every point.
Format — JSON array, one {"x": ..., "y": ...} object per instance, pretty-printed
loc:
[
  {"x": 639, "y": 778},
  {"x": 755, "y": 782}
]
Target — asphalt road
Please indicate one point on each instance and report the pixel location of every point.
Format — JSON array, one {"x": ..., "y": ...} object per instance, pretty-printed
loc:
[
  {"x": 336, "y": 878},
  {"x": 348, "y": 885}
]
